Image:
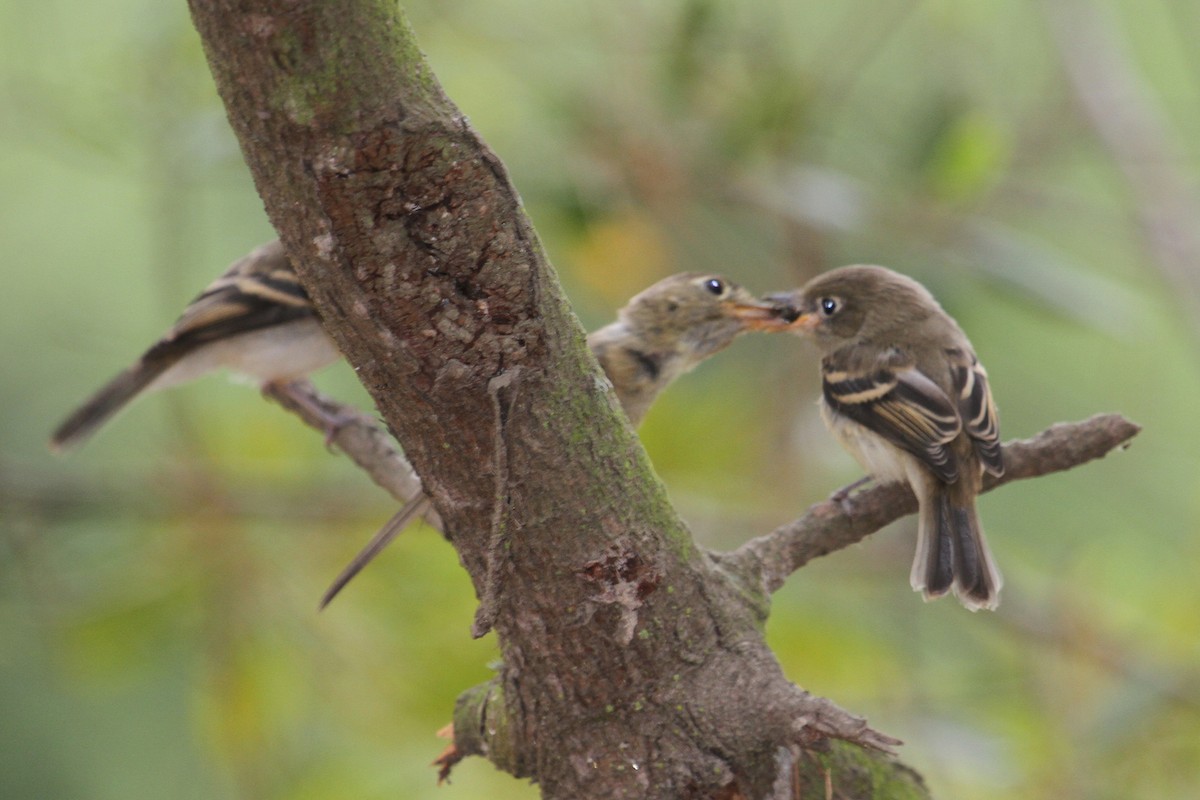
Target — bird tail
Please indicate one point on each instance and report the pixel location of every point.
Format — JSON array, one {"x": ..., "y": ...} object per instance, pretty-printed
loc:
[
  {"x": 101, "y": 407},
  {"x": 952, "y": 553}
]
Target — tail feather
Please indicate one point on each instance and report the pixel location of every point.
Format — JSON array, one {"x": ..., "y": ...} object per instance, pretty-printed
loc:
[
  {"x": 977, "y": 580},
  {"x": 933, "y": 566},
  {"x": 970, "y": 573},
  {"x": 952, "y": 553},
  {"x": 101, "y": 407}
]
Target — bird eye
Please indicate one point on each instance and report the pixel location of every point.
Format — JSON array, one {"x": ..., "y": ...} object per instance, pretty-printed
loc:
[
  {"x": 829, "y": 306},
  {"x": 716, "y": 286}
]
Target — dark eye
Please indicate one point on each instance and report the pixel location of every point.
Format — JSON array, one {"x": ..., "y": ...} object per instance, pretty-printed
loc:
[
  {"x": 716, "y": 286},
  {"x": 829, "y": 306}
]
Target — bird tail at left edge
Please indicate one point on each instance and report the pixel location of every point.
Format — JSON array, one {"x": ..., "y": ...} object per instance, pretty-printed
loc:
[{"x": 105, "y": 403}]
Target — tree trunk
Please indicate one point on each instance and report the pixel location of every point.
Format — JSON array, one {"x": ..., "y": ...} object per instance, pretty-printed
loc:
[{"x": 633, "y": 666}]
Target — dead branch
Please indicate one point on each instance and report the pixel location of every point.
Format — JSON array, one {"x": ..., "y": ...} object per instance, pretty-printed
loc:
[{"x": 826, "y": 527}]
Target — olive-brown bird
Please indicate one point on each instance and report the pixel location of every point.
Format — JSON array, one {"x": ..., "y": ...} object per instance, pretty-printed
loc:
[
  {"x": 904, "y": 393},
  {"x": 256, "y": 320},
  {"x": 662, "y": 333}
]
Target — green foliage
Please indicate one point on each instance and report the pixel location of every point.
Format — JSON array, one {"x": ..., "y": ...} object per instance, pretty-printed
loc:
[{"x": 158, "y": 589}]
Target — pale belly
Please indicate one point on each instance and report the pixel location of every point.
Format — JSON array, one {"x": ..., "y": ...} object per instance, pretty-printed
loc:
[
  {"x": 280, "y": 352},
  {"x": 881, "y": 459}
]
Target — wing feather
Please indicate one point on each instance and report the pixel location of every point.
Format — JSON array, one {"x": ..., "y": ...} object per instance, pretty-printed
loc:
[
  {"x": 256, "y": 292},
  {"x": 905, "y": 407},
  {"x": 978, "y": 410}
]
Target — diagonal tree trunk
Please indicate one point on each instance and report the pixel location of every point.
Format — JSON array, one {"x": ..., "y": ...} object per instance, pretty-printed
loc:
[{"x": 634, "y": 663}]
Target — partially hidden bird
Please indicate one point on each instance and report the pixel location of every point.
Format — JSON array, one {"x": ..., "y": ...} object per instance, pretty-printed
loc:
[
  {"x": 662, "y": 333},
  {"x": 906, "y": 396},
  {"x": 255, "y": 320}
]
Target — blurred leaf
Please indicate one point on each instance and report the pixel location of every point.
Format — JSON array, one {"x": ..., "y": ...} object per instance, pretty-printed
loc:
[
  {"x": 691, "y": 47},
  {"x": 968, "y": 158},
  {"x": 619, "y": 256},
  {"x": 768, "y": 115},
  {"x": 1052, "y": 279}
]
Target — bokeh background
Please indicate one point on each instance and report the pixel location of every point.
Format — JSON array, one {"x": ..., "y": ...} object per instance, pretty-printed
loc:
[{"x": 1034, "y": 163}]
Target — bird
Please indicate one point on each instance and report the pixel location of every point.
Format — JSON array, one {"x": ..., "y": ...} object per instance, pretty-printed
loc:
[
  {"x": 662, "y": 333},
  {"x": 906, "y": 396},
  {"x": 256, "y": 319}
]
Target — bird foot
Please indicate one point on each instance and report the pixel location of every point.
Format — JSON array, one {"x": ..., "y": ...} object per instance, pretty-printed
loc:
[
  {"x": 301, "y": 396},
  {"x": 843, "y": 494}
]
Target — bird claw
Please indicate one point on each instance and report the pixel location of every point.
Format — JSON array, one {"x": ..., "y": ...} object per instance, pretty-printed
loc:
[
  {"x": 843, "y": 494},
  {"x": 333, "y": 424},
  {"x": 301, "y": 395}
]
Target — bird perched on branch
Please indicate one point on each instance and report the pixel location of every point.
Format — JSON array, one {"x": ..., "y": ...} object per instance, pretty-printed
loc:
[
  {"x": 256, "y": 320},
  {"x": 904, "y": 393},
  {"x": 660, "y": 334}
]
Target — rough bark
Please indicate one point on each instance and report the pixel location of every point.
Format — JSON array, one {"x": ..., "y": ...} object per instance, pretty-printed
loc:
[{"x": 633, "y": 663}]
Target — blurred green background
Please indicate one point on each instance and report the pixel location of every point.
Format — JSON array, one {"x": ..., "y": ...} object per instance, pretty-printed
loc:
[{"x": 158, "y": 631}]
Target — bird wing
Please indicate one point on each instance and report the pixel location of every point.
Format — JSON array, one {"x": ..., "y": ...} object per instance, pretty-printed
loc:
[
  {"x": 901, "y": 404},
  {"x": 258, "y": 291},
  {"x": 977, "y": 408}
]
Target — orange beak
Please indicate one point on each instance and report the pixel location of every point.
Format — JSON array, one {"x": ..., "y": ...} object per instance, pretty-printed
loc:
[
  {"x": 761, "y": 316},
  {"x": 805, "y": 323}
]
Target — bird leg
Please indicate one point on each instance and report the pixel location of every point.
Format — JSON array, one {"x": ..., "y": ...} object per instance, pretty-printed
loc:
[
  {"x": 299, "y": 394},
  {"x": 843, "y": 493}
]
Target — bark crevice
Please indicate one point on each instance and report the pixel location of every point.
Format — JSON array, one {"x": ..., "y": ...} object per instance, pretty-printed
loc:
[{"x": 412, "y": 243}]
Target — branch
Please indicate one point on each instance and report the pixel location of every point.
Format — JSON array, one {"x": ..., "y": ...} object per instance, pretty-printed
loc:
[
  {"x": 806, "y": 718},
  {"x": 831, "y": 525},
  {"x": 412, "y": 243},
  {"x": 357, "y": 435},
  {"x": 828, "y": 526}
]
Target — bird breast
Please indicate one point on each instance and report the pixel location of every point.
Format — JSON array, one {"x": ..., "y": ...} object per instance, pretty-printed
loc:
[{"x": 879, "y": 457}]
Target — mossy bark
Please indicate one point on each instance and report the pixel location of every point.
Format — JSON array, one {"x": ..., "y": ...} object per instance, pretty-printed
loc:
[{"x": 632, "y": 666}]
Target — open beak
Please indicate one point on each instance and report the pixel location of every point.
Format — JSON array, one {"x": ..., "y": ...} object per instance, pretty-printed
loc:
[
  {"x": 805, "y": 323},
  {"x": 786, "y": 305},
  {"x": 762, "y": 316}
]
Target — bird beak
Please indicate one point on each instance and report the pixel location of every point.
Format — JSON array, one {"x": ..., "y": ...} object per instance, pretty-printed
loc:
[
  {"x": 761, "y": 316},
  {"x": 805, "y": 323},
  {"x": 787, "y": 306}
]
